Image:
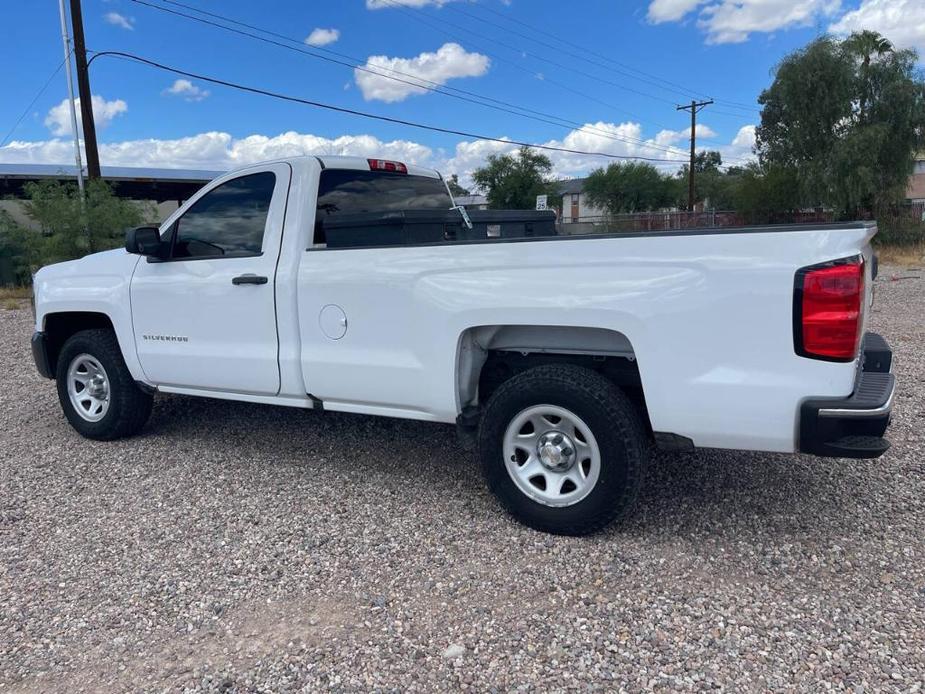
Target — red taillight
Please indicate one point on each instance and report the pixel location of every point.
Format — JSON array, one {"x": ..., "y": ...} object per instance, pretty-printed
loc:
[
  {"x": 828, "y": 306},
  {"x": 385, "y": 165}
]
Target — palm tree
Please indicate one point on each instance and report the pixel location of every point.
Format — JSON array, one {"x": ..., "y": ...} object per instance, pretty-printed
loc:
[{"x": 866, "y": 44}]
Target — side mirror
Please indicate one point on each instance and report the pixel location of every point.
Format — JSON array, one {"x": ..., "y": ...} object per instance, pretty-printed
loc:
[{"x": 144, "y": 241}]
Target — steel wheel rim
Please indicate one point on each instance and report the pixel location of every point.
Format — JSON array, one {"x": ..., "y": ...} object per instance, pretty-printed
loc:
[
  {"x": 88, "y": 387},
  {"x": 540, "y": 465}
]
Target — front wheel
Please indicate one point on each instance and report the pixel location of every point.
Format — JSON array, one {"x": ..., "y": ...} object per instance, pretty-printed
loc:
[
  {"x": 563, "y": 449},
  {"x": 97, "y": 393}
]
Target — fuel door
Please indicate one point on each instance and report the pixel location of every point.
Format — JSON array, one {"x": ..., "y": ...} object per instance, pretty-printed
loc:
[{"x": 333, "y": 321}]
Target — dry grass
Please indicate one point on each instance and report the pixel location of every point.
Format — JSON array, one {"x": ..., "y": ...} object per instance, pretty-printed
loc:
[
  {"x": 12, "y": 298},
  {"x": 902, "y": 255},
  {"x": 7, "y": 293}
]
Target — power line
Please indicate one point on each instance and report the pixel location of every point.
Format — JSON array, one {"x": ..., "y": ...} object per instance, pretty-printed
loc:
[
  {"x": 645, "y": 76},
  {"x": 681, "y": 88},
  {"x": 364, "y": 114},
  {"x": 417, "y": 17},
  {"x": 418, "y": 82},
  {"x": 517, "y": 66},
  {"x": 437, "y": 87},
  {"x": 37, "y": 96},
  {"x": 535, "y": 56},
  {"x": 621, "y": 67},
  {"x": 737, "y": 104},
  {"x": 727, "y": 113}
]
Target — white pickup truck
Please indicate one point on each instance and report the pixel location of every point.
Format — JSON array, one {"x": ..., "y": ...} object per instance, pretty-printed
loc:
[{"x": 316, "y": 282}]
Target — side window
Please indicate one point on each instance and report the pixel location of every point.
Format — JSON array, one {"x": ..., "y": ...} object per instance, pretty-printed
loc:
[{"x": 228, "y": 221}]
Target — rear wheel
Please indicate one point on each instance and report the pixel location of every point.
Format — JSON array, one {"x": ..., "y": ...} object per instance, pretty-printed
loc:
[
  {"x": 563, "y": 449},
  {"x": 97, "y": 393}
]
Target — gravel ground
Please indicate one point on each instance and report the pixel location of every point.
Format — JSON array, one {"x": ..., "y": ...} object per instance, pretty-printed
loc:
[{"x": 236, "y": 548}]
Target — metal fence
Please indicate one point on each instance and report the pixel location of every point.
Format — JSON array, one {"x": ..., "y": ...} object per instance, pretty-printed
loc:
[
  {"x": 667, "y": 221},
  {"x": 912, "y": 213}
]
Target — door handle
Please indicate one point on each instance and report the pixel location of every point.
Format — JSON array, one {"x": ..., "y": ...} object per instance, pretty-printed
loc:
[{"x": 249, "y": 279}]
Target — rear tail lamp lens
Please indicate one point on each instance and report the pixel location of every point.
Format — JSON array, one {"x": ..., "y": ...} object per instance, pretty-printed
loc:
[{"x": 828, "y": 304}]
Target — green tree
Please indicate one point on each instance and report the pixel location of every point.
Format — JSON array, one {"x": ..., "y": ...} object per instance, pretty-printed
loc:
[
  {"x": 712, "y": 185},
  {"x": 69, "y": 229},
  {"x": 20, "y": 251},
  {"x": 629, "y": 187},
  {"x": 73, "y": 229},
  {"x": 455, "y": 189},
  {"x": 513, "y": 182},
  {"x": 846, "y": 118},
  {"x": 765, "y": 194}
]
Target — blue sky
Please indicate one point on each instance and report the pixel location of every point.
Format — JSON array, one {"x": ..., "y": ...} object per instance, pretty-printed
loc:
[{"x": 616, "y": 69}]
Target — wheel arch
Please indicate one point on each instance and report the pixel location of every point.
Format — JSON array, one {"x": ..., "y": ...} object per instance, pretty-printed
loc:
[
  {"x": 487, "y": 355},
  {"x": 61, "y": 325}
]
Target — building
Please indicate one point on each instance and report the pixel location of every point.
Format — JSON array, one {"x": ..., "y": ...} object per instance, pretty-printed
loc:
[
  {"x": 575, "y": 206},
  {"x": 471, "y": 202},
  {"x": 915, "y": 192},
  {"x": 165, "y": 188}
]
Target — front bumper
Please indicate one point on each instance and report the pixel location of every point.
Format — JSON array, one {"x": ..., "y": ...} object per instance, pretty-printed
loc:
[
  {"x": 40, "y": 354},
  {"x": 853, "y": 427}
]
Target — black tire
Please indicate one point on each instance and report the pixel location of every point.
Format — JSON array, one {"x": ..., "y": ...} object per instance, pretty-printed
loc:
[
  {"x": 614, "y": 422},
  {"x": 129, "y": 406}
]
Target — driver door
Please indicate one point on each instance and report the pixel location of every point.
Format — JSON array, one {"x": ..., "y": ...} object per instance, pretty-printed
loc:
[{"x": 205, "y": 318}]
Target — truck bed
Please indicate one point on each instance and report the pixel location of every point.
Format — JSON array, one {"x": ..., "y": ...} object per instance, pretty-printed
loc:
[{"x": 707, "y": 314}]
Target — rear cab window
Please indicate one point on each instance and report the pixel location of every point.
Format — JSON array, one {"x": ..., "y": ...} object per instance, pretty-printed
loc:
[{"x": 351, "y": 191}]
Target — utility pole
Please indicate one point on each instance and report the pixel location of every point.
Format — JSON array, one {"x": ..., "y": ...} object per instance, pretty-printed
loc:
[
  {"x": 83, "y": 87},
  {"x": 70, "y": 97},
  {"x": 694, "y": 108}
]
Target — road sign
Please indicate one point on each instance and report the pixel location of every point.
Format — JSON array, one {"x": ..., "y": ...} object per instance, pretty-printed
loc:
[{"x": 541, "y": 202}]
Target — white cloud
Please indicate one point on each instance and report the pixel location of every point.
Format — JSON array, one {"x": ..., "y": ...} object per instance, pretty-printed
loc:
[
  {"x": 450, "y": 61},
  {"x": 216, "y": 150},
  {"x": 733, "y": 21},
  {"x": 386, "y": 4},
  {"x": 58, "y": 119},
  {"x": 672, "y": 137},
  {"x": 186, "y": 89},
  {"x": 119, "y": 20},
  {"x": 670, "y": 10},
  {"x": 221, "y": 151},
  {"x": 623, "y": 139},
  {"x": 901, "y": 21},
  {"x": 322, "y": 37},
  {"x": 259, "y": 147},
  {"x": 745, "y": 139},
  {"x": 469, "y": 155}
]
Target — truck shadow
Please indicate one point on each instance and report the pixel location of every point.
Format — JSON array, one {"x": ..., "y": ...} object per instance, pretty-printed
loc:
[
  {"x": 710, "y": 492},
  {"x": 717, "y": 492}
]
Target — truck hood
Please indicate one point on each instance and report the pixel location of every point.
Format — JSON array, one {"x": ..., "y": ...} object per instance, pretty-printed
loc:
[{"x": 115, "y": 261}]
